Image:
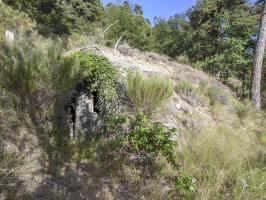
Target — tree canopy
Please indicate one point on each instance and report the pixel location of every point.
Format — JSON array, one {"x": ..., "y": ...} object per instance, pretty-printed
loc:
[{"x": 216, "y": 35}]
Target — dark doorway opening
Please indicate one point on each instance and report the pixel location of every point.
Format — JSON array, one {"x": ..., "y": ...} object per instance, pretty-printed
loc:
[{"x": 95, "y": 97}]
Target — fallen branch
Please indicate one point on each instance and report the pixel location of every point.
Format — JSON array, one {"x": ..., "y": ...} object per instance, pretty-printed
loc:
[
  {"x": 110, "y": 26},
  {"x": 118, "y": 41}
]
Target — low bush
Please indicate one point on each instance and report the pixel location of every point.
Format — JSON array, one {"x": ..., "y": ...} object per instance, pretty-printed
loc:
[
  {"x": 141, "y": 136},
  {"x": 185, "y": 185},
  {"x": 147, "y": 93},
  {"x": 152, "y": 138}
]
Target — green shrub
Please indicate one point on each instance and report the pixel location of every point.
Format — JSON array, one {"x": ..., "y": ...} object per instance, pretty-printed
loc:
[
  {"x": 184, "y": 86},
  {"x": 185, "y": 185},
  {"x": 115, "y": 124},
  {"x": 58, "y": 17},
  {"x": 147, "y": 93},
  {"x": 141, "y": 135},
  {"x": 152, "y": 138}
]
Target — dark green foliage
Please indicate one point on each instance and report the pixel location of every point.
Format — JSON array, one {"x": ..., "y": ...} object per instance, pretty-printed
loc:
[
  {"x": 172, "y": 37},
  {"x": 60, "y": 17},
  {"x": 82, "y": 15},
  {"x": 152, "y": 138},
  {"x": 223, "y": 38},
  {"x": 90, "y": 10},
  {"x": 100, "y": 77},
  {"x": 47, "y": 13}
]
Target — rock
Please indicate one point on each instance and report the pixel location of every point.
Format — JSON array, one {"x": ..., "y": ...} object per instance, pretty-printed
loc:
[
  {"x": 186, "y": 108},
  {"x": 9, "y": 36}
]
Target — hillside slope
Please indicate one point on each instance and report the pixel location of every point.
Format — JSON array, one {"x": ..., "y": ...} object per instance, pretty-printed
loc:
[
  {"x": 185, "y": 100},
  {"x": 215, "y": 151},
  {"x": 218, "y": 138}
]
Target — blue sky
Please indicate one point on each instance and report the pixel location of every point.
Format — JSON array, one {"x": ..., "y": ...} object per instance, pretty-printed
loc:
[{"x": 162, "y": 8}]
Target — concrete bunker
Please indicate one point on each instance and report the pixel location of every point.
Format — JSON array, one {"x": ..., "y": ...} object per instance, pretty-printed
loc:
[{"x": 84, "y": 112}]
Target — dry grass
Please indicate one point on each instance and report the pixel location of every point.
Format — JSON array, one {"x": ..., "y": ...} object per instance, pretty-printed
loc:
[
  {"x": 228, "y": 160},
  {"x": 18, "y": 153}
]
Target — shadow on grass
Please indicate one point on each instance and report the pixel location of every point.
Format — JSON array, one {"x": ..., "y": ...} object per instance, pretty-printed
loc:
[
  {"x": 85, "y": 168},
  {"x": 64, "y": 175}
]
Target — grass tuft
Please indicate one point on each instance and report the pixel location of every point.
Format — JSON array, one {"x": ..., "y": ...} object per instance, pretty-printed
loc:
[{"x": 147, "y": 93}]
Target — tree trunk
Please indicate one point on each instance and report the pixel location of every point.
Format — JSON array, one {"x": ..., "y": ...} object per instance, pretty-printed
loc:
[{"x": 258, "y": 61}]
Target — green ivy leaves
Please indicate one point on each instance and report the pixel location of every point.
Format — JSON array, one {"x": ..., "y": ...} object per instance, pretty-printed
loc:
[{"x": 100, "y": 75}]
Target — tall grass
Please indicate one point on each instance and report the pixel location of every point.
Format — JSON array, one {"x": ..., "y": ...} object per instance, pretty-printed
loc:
[
  {"x": 16, "y": 163},
  {"x": 228, "y": 163},
  {"x": 147, "y": 93}
]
